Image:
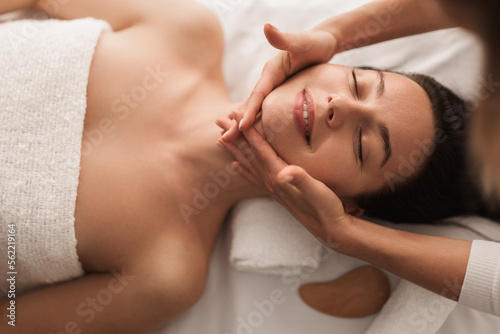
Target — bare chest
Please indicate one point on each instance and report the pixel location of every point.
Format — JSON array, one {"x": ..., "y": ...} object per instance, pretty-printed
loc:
[{"x": 130, "y": 192}]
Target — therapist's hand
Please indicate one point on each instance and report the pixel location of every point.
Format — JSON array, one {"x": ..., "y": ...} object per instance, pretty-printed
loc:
[
  {"x": 299, "y": 50},
  {"x": 308, "y": 199}
]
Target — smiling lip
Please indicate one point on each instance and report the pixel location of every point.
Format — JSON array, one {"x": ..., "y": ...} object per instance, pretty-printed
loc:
[{"x": 298, "y": 113}]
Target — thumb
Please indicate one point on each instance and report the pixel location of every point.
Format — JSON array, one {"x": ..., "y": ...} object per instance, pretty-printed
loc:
[
  {"x": 291, "y": 42},
  {"x": 327, "y": 205},
  {"x": 313, "y": 189}
]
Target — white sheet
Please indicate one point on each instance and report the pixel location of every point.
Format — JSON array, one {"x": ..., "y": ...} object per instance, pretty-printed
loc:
[
  {"x": 235, "y": 302},
  {"x": 231, "y": 295}
]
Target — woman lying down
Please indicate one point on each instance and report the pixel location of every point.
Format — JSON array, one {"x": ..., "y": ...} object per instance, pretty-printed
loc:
[{"x": 123, "y": 230}]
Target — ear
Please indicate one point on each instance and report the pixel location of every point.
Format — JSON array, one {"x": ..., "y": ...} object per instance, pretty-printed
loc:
[{"x": 352, "y": 209}]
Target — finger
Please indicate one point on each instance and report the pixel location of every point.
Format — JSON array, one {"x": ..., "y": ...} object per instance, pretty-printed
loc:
[
  {"x": 312, "y": 189},
  {"x": 224, "y": 123},
  {"x": 274, "y": 73},
  {"x": 293, "y": 42},
  {"x": 279, "y": 40},
  {"x": 264, "y": 152},
  {"x": 275, "y": 37},
  {"x": 237, "y": 166},
  {"x": 235, "y": 151},
  {"x": 252, "y": 106},
  {"x": 245, "y": 155},
  {"x": 237, "y": 115},
  {"x": 232, "y": 134},
  {"x": 243, "y": 163},
  {"x": 323, "y": 202}
]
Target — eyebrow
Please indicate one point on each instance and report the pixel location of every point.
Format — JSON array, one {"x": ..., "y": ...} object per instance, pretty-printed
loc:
[
  {"x": 384, "y": 133},
  {"x": 381, "y": 84}
]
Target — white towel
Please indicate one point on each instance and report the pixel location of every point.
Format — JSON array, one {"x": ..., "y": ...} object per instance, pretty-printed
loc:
[
  {"x": 411, "y": 310},
  {"x": 44, "y": 67},
  {"x": 267, "y": 239}
]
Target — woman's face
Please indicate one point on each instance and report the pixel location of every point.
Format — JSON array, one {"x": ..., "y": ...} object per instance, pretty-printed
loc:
[{"x": 362, "y": 130}]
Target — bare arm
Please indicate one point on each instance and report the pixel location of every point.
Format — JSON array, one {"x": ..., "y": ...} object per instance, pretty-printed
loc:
[
  {"x": 95, "y": 303},
  {"x": 162, "y": 280},
  {"x": 383, "y": 20},
  {"x": 435, "y": 263},
  {"x": 12, "y": 5},
  {"x": 120, "y": 14}
]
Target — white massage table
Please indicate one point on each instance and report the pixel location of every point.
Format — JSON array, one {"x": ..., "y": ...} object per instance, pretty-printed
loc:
[{"x": 242, "y": 302}]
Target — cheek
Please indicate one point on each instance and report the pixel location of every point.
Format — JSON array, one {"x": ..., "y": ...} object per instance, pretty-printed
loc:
[
  {"x": 333, "y": 166},
  {"x": 271, "y": 111},
  {"x": 277, "y": 120}
]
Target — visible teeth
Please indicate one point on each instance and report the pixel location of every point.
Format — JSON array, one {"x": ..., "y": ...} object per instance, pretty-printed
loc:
[{"x": 306, "y": 119}]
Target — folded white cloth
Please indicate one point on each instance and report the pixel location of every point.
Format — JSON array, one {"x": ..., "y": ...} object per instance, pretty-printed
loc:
[
  {"x": 412, "y": 309},
  {"x": 44, "y": 67},
  {"x": 267, "y": 239}
]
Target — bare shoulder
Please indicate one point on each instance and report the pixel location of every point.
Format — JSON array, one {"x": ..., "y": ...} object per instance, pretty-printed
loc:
[
  {"x": 191, "y": 27},
  {"x": 181, "y": 26},
  {"x": 181, "y": 37},
  {"x": 176, "y": 47}
]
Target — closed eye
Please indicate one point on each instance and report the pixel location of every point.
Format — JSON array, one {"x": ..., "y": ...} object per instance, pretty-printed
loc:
[
  {"x": 355, "y": 83},
  {"x": 360, "y": 146}
]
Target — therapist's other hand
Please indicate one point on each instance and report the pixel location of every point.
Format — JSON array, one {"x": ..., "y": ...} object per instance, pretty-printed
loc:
[
  {"x": 299, "y": 50},
  {"x": 309, "y": 200}
]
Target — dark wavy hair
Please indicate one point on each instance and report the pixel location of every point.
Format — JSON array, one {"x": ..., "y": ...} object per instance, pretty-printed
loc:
[{"x": 442, "y": 186}]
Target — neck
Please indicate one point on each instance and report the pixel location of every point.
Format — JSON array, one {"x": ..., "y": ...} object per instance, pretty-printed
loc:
[{"x": 211, "y": 179}]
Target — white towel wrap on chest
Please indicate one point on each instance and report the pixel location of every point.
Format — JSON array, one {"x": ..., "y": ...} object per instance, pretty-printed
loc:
[{"x": 44, "y": 67}]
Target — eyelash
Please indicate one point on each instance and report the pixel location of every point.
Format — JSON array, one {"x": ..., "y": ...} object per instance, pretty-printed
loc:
[
  {"x": 355, "y": 83},
  {"x": 360, "y": 145}
]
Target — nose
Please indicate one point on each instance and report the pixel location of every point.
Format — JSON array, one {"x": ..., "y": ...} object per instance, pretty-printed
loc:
[{"x": 341, "y": 109}]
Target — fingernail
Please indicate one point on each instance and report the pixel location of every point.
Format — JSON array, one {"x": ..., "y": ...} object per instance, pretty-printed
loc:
[
  {"x": 273, "y": 26},
  {"x": 287, "y": 179},
  {"x": 241, "y": 124},
  {"x": 220, "y": 144}
]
